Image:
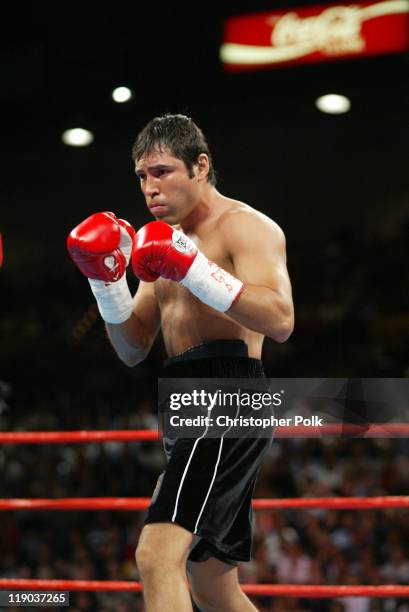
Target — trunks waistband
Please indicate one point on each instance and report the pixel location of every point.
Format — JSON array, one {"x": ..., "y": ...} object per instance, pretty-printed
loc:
[{"x": 211, "y": 350}]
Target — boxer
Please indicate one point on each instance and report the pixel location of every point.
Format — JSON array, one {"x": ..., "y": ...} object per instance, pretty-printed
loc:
[{"x": 213, "y": 278}]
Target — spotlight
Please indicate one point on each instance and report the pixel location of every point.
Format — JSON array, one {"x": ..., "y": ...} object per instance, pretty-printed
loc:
[
  {"x": 121, "y": 94},
  {"x": 77, "y": 137},
  {"x": 333, "y": 104}
]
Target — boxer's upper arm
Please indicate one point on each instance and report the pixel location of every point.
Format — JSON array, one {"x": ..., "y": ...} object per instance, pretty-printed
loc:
[{"x": 257, "y": 248}]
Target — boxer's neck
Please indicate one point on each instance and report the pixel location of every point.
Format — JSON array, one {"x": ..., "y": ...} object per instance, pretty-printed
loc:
[{"x": 207, "y": 207}]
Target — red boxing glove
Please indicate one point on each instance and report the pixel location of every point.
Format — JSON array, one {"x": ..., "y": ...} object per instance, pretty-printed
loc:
[
  {"x": 101, "y": 246},
  {"x": 159, "y": 250}
]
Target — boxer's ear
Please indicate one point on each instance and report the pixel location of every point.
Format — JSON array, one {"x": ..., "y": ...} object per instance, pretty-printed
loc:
[{"x": 202, "y": 166}]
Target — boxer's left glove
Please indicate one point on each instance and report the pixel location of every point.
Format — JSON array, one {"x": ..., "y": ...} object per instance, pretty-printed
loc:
[
  {"x": 101, "y": 247},
  {"x": 160, "y": 250}
]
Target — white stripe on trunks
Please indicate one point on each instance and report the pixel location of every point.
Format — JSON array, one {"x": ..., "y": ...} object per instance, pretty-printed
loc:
[
  {"x": 185, "y": 472},
  {"x": 211, "y": 484},
  {"x": 215, "y": 469}
]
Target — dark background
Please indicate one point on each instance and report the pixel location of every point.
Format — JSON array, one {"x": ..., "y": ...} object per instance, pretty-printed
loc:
[{"x": 337, "y": 185}]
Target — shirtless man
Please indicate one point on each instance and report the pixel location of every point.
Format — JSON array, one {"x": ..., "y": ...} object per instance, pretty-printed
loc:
[{"x": 214, "y": 279}]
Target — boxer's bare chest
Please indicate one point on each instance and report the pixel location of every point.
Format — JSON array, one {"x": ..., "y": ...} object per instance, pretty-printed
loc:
[{"x": 185, "y": 320}]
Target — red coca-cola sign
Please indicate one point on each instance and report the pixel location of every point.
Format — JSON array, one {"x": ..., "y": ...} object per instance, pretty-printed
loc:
[{"x": 315, "y": 34}]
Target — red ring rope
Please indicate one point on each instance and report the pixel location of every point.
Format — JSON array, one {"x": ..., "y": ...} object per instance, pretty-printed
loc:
[
  {"x": 141, "y": 503},
  {"x": 381, "y": 430},
  {"x": 289, "y": 590},
  {"x": 77, "y": 437}
]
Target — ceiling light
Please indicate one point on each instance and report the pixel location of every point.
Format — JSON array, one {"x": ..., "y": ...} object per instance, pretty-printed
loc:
[
  {"x": 77, "y": 137},
  {"x": 121, "y": 94},
  {"x": 333, "y": 104}
]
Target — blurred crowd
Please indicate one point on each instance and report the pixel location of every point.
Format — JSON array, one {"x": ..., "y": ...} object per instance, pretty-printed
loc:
[{"x": 318, "y": 547}]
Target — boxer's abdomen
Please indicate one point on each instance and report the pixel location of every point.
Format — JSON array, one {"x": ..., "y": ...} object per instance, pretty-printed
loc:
[{"x": 186, "y": 321}]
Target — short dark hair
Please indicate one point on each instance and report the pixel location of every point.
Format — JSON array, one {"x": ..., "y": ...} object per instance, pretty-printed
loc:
[{"x": 178, "y": 133}]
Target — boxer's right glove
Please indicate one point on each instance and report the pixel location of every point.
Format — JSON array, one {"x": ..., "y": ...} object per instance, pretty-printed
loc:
[{"x": 101, "y": 247}]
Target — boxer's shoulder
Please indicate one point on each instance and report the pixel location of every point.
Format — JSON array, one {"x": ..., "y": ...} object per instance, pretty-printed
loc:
[{"x": 240, "y": 221}]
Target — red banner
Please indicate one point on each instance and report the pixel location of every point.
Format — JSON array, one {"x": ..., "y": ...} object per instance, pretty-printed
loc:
[{"x": 315, "y": 34}]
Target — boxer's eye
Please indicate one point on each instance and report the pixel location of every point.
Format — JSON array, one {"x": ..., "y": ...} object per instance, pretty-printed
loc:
[{"x": 159, "y": 172}]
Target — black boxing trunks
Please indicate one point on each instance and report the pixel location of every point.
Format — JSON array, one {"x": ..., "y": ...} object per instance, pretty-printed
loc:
[{"x": 208, "y": 483}]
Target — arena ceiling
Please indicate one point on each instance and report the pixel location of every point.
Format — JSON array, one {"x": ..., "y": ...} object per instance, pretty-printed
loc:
[{"x": 318, "y": 176}]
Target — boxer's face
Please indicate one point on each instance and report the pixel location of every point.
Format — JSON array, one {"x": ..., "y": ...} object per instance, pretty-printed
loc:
[{"x": 170, "y": 193}]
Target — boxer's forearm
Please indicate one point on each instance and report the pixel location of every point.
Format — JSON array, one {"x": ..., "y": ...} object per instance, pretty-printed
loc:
[
  {"x": 129, "y": 340},
  {"x": 264, "y": 311}
]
